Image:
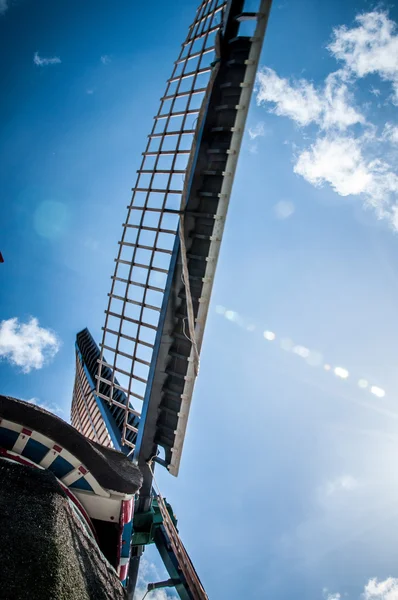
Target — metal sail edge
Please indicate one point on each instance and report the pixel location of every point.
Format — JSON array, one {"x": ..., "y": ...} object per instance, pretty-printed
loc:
[{"x": 237, "y": 130}]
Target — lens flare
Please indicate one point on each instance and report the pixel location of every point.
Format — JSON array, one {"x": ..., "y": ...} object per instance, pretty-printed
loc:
[
  {"x": 377, "y": 391},
  {"x": 269, "y": 335},
  {"x": 312, "y": 357},
  {"x": 287, "y": 344},
  {"x": 301, "y": 351},
  {"x": 341, "y": 372}
]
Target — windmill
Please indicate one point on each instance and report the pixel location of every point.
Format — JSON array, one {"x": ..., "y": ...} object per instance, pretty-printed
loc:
[{"x": 145, "y": 371}]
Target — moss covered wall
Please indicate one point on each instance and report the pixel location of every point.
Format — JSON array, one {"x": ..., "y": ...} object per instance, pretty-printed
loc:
[{"x": 44, "y": 552}]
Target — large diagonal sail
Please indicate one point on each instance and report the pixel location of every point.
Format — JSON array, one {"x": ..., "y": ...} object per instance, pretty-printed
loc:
[
  {"x": 149, "y": 233},
  {"x": 168, "y": 253}
]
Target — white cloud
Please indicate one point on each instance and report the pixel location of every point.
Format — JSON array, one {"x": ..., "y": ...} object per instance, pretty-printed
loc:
[
  {"x": 149, "y": 573},
  {"x": 381, "y": 590},
  {"x": 328, "y": 596},
  {"x": 154, "y": 595},
  {"x": 27, "y": 345},
  {"x": 374, "y": 590},
  {"x": 257, "y": 131},
  {"x": 42, "y": 62},
  {"x": 338, "y": 102},
  {"x": 390, "y": 133},
  {"x": 337, "y": 161},
  {"x": 106, "y": 59},
  {"x": 3, "y": 6},
  {"x": 299, "y": 100},
  {"x": 50, "y": 406},
  {"x": 340, "y": 162},
  {"x": 370, "y": 47},
  {"x": 348, "y": 162}
]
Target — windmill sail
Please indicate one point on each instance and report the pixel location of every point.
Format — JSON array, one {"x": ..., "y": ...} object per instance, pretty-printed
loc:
[{"x": 168, "y": 253}]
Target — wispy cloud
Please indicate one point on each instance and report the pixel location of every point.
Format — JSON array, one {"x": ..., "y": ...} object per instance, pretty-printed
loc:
[
  {"x": 329, "y": 106},
  {"x": 338, "y": 161},
  {"x": 390, "y": 133},
  {"x": 341, "y": 156},
  {"x": 149, "y": 573},
  {"x": 27, "y": 345},
  {"x": 43, "y": 62},
  {"x": 329, "y": 596},
  {"x": 106, "y": 59},
  {"x": 341, "y": 162},
  {"x": 154, "y": 595},
  {"x": 257, "y": 131},
  {"x": 370, "y": 47},
  {"x": 374, "y": 590},
  {"x": 381, "y": 590},
  {"x": 3, "y": 6},
  {"x": 50, "y": 406}
]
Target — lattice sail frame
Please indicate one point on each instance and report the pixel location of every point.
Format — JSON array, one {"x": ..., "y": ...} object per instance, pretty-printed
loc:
[{"x": 149, "y": 234}]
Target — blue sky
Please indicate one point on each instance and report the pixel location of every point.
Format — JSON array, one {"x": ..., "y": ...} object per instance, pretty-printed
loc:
[{"x": 288, "y": 485}]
